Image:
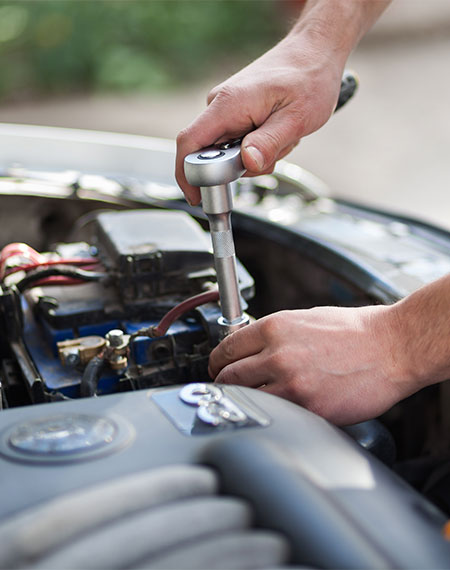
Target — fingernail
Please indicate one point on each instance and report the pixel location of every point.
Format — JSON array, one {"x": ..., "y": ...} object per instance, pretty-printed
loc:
[
  {"x": 189, "y": 201},
  {"x": 256, "y": 156}
]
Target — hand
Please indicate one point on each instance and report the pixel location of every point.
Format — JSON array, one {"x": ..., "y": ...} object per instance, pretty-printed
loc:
[
  {"x": 284, "y": 95},
  {"x": 345, "y": 364}
]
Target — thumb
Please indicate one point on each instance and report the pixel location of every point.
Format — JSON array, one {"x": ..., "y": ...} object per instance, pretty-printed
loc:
[{"x": 264, "y": 146}]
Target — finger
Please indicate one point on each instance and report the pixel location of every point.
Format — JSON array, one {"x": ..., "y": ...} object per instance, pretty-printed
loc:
[
  {"x": 281, "y": 155},
  {"x": 213, "y": 93},
  {"x": 276, "y": 389},
  {"x": 264, "y": 146},
  {"x": 249, "y": 372},
  {"x": 212, "y": 125},
  {"x": 240, "y": 344},
  {"x": 287, "y": 150},
  {"x": 271, "y": 168},
  {"x": 196, "y": 136}
]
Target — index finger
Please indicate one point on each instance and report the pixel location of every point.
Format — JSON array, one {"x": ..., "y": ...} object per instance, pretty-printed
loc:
[
  {"x": 238, "y": 345},
  {"x": 223, "y": 119},
  {"x": 208, "y": 128}
]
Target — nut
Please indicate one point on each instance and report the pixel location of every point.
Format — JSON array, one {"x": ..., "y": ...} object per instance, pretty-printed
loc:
[{"x": 115, "y": 337}]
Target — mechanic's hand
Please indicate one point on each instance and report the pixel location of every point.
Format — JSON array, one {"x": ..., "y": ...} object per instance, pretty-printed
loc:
[
  {"x": 284, "y": 95},
  {"x": 345, "y": 364}
]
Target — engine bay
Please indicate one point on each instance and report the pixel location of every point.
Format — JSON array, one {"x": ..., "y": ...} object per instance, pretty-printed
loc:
[
  {"x": 108, "y": 312},
  {"x": 95, "y": 314}
]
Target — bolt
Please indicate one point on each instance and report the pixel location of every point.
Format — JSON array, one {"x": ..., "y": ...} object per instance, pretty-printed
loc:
[
  {"x": 72, "y": 359},
  {"x": 115, "y": 337}
]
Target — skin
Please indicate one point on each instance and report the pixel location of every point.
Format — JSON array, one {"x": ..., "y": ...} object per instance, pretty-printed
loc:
[
  {"x": 346, "y": 364},
  {"x": 286, "y": 94}
]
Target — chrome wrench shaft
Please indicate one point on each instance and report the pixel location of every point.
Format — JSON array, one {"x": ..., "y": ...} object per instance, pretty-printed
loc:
[
  {"x": 217, "y": 205},
  {"x": 212, "y": 170}
]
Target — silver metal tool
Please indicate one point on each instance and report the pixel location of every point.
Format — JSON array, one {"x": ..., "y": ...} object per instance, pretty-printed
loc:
[{"x": 212, "y": 169}]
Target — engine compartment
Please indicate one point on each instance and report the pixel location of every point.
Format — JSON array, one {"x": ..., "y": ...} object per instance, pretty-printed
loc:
[
  {"x": 106, "y": 298},
  {"x": 144, "y": 263},
  {"x": 109, "y": 308}
]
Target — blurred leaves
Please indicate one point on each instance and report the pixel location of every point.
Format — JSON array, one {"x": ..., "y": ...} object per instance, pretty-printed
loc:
[{"x": 60, "y": 46}]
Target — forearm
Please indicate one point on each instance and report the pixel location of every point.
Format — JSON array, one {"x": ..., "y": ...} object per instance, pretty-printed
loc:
[
  {"x": 423, "y": 325},
  {"x": 338, "y": 25}
]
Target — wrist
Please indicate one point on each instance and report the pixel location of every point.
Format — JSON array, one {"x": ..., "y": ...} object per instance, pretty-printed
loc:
[
  {"x": 389, "y": 333},
  {"x": 424, "y": 330}
]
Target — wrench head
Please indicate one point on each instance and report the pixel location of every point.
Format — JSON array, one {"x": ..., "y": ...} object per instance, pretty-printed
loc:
[{"x": 214, "y": 165}]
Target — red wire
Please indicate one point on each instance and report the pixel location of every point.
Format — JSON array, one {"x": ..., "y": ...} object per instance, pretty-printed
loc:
[
  {"x": 39, "y": 260},
  {"x": 187, "y": 305},
  {"x": 20, "y": 248},
  {"x": 17, "y": 248},
  {"x": 88, "y": 262},
  {"x": 58, "y": 280}
]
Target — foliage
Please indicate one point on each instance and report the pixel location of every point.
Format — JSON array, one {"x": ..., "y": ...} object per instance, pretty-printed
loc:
[{"x": 67, "y": 46}]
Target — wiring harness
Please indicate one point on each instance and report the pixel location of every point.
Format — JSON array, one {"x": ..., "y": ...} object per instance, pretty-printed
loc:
[{"x": 39, "y": 269}]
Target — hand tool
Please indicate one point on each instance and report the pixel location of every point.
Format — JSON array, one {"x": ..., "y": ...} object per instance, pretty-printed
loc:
[{"x": 213, "y": 169}]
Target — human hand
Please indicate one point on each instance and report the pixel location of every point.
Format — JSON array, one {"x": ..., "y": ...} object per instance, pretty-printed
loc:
[
  {"x": 345, "y": 364},
  {"x": 284, "y": 95}
]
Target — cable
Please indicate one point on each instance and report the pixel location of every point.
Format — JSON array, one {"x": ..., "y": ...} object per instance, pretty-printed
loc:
[
  {"x": 88, "y": 262},
  {"x": 187, "y": 305},
  {"x": 17, "y": 248},
  {"x": 58, "y": 280},
  {"x": 56, "y": 270},
  {"x": 91, "y": 376},
  {"x": 176, "y": 312}
]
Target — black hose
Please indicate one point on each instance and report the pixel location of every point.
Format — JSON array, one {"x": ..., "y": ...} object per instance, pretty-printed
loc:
[
  {"x": 58, "y": 270},
  {"x": 91, "y": 376}
]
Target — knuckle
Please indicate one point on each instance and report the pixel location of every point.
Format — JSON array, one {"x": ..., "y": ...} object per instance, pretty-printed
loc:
[
  {"x": 290, "y": 390},
  {"x": 213, "y": 368},
  {"x": 212, "y": 94},
  {"x": 273, "y": 325},
  {"x": 228, "y": 346},
  {"x": 279, "y": 364},
  {"x": 182, "y": 136},
  {"x": 225, "y": 94}
]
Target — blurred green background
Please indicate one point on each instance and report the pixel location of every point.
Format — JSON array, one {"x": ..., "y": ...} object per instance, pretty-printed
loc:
[{"x": 67, "y": 46}]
